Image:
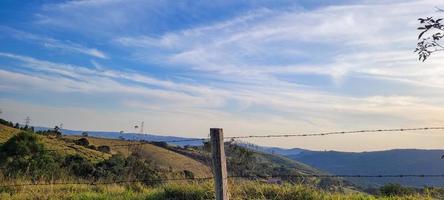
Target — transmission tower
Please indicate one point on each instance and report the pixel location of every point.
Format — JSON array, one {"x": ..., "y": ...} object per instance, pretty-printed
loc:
[
  {"x": 27, "y": 121},
  {"x": 141, "y": 127}
]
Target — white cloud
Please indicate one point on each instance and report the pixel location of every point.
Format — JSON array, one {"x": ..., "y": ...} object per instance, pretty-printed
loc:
[{"x": 64, "y": 46}]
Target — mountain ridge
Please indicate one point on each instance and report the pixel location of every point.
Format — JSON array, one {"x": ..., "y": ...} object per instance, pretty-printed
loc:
[{"x": 395, "y": 161}]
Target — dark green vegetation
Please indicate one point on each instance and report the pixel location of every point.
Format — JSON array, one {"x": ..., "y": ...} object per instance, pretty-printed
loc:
[{"x": 402, "y": 161}]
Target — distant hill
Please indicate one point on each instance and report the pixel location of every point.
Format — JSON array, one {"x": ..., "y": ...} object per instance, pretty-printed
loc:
[
  {"x": 128, "y": 136},
  {"x": 400, "y": 161},
  {"x": 273, "y": 150}
]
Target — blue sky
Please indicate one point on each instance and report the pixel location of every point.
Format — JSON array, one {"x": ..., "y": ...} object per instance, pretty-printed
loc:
[{"x": 250, "y": 67}]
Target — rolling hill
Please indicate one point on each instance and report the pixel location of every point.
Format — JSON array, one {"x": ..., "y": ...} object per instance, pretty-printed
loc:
[
  {"x": 169, "y": 157},
  {"x": 160, "y": 156},
  {"x": 400, "y": 161}
]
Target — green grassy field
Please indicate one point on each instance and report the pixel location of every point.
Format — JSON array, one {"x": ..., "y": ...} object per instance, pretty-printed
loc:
[{"x": 184, "y": 191}]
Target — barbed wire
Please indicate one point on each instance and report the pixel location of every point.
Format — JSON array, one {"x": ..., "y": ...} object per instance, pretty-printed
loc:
[
  {"x": 231, "y": 177},
  {"x": 345, "y": 176},
  {"x": 337, "y": 132},
  {"x": 108, "y": 182},
  {"x": 167, "y": 141},
  {"x": 292, "y": 135}
]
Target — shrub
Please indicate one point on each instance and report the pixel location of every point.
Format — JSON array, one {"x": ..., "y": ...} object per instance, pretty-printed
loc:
[
  {"x": 160, "y": 144},
  {"x": 111, "y": 168},
  {"x": 23, "y": 155},
  {"x": 79, "y": 166},
  {"x": 188, "y": 174},
  {"x": 6, "y": 123},
  {"x": 395, "y": 190},
  {"x": 104, "y": 149},
  {"x": 82, "y": 142},
  {"x": 85, "y": 134}
]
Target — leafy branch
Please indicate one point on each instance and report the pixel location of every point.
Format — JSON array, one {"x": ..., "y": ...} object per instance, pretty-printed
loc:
[{"x": 430, "y": 42}]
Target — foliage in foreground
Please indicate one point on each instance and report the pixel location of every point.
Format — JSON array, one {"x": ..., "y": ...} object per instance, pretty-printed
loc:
[{"x": 187, "y": 191}]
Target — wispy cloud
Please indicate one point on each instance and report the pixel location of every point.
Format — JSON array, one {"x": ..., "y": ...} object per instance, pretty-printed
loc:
[
  {"x": 337, "y": 41},
  {"x": 260, "y": 67},
  {"x": 171, "y": 95},
  {"x": 64, "y": 46}
]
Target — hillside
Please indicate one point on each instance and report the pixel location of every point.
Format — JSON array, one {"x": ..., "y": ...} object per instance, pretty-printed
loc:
[
  {"x": 158, "y": 155},
  {"x": 61, "y": 146},
  {"x": 401, "y": 161},
  {"x": 7, "y": 132},
  {"x": 162, "y": 157},
  {"x": 176, "y": 158}
]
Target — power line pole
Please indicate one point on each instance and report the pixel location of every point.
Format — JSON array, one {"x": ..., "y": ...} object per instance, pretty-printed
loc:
[{"x": 219, "y": 163}]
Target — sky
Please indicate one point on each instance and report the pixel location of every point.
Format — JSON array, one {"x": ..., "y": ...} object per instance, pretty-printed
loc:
[{"x": 250, "y": 67}]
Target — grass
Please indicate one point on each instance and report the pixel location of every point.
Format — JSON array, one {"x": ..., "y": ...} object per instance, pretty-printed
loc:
[
  {"x": 158, "y": 155},
  {"x": 184, "y": 191},
  {"x": 7, "y": 132}
]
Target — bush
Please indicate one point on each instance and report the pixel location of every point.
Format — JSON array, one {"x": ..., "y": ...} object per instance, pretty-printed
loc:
[
  {"x": 188, "y": 174},
  {"x": 24, "y": 156},
  {"x": 6, "y": 123},
  {"x": 79, "y": 166},
  {"x": 160, "y": 144},
  {"x": 395, "y": 190},
  {"x": 111, "y": 168},
  {"x": 82, "y": 142},
  {"x": 133, "y": 168},
  {"x": 104, "y": 149}
]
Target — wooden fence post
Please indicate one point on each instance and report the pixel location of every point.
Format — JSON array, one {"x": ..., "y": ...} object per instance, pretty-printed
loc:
[{"x": 219, "y": 163}]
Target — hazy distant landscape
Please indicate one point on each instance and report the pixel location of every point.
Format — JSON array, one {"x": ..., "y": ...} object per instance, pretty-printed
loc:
[{"x": 401, "y": 161}]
